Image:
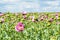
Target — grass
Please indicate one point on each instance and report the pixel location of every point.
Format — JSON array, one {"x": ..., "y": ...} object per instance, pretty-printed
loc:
[{"x": 42, "y": 30}]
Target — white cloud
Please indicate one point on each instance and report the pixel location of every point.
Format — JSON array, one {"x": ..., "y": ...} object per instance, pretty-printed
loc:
[
  {"x": 22, "y": 6},
  {"x": 50, "y": 8},
  {"x": 9, "y": 8},
  {"x": 52, "y": 3},
  {"x": 8, "y": 1},
  {"x": 29, "y": 5},
  {"x": 57, "y": 8},
  {"x": 46, "y": 8},
  {"x": 12, "y": 5}
]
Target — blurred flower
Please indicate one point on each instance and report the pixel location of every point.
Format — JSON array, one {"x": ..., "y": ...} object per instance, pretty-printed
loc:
[
  {"x": 24, "y": 13},
  {"x": 1, "y": 14},
  {"x": 24, "y": 16},
  {"x": 19, "y": 27},
  {"x": 41, "y": 18},
  {"x": 33, "y": 19},
  {"x": 56, "y": 15},
  {"x": 16, "y": 14},
  {"x": 45, "y": 16},
  {"x": 51, "y": 19},
  {"x": 2, "y": 20}
]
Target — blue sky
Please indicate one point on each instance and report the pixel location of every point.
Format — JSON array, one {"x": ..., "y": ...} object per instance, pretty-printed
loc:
[{"x": 30, "y": 5}]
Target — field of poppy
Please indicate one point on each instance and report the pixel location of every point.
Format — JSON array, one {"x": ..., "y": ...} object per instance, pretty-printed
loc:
[{"x": 30, "y": 26}]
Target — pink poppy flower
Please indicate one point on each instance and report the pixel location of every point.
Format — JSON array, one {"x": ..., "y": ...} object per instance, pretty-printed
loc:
[
  {"x": 24, "y": 13},
  {"x": 41, "y": 18},
  {"x": 19, "y": 27},
  {"x": 46, "y": 16},
  {"x": 24, "y": 16},
  {"x": 51, "y": 19},
  {"x": 2, "y": 20},
  {"x": 56, "y": 15}
]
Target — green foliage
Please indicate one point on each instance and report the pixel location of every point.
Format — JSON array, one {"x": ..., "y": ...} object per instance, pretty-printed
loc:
[{"x": 42, "y": 30}]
